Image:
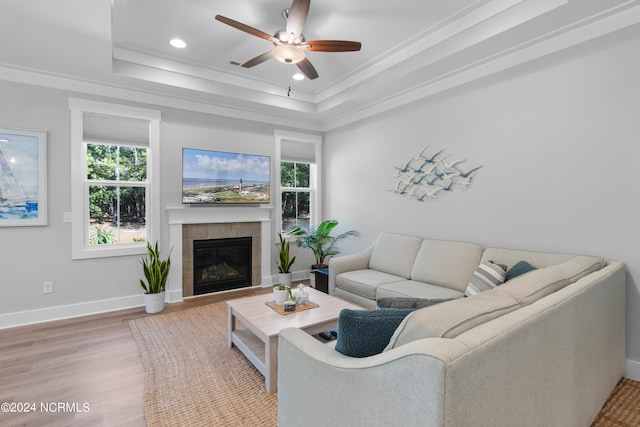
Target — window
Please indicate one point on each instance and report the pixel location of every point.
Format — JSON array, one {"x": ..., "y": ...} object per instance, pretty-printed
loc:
[
  {"x": 115, "y": 206},
  {"x": 299, "y": 158},
  {"x": 295, "y": 185},
  {"x": 117, "y": 182}
]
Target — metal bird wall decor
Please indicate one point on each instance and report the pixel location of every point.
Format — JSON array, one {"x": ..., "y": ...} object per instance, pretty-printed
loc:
[{"x": 426, "y": 176}]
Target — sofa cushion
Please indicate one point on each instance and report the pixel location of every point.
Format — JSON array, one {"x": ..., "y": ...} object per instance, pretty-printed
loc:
[
  {"x": 579, "y": 266},
  {"x": 363, "y": 333},
  {"x": 446, "y": 263},
  {"x": 530, "y": 287},
  {"x": 518, "y": 269},
  {"x": 411, "y": 288},
  {"x": 403, "y": 302},
  {"x": 510, "y": 257},
  {"x": 451, "y": 319},
  {"x": 364, "y": 282},
  {"x": 395, "y": 254},
  {"x": 486, "y": 276},
  {"x": 536, "y": 284}
]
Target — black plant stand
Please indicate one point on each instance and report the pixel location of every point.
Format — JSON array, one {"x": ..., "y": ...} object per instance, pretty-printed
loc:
[{"x": 322, "y": 280}]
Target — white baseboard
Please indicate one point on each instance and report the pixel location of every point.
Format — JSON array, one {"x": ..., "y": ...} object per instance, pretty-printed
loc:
[
  {"x": 633, "y": 370},
  {"x": 22, "y": 318},
  {"x": 173, "y": 296}
]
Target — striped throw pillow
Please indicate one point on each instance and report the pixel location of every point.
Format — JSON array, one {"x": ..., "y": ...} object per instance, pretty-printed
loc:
[{"x": 487, "y": 276}]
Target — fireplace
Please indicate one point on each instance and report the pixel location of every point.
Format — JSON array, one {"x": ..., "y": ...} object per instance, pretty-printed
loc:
[
  {"x": 221, "y": 264},
  {"x": 189, "y": 224}
]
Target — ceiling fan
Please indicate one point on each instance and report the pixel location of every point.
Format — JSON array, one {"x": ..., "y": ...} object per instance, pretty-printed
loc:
[{"x": 290, "y": 44}]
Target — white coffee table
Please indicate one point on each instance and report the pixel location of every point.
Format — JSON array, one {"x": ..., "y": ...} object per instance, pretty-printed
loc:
[{"x": 258, "y": 341}]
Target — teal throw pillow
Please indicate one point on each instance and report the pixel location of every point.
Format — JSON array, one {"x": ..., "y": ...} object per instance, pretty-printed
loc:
[
  {"x": 518, "y": 269},
  {"x": 363, "y": 333}
]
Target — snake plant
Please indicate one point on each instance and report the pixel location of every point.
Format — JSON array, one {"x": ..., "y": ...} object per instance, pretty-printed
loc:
[{"x": 156, "y": 271}]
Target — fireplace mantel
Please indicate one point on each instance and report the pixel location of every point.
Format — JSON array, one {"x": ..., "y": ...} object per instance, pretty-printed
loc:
[
  {"x": 204, "y": 215},
  {"x": 178, "y": 216}
]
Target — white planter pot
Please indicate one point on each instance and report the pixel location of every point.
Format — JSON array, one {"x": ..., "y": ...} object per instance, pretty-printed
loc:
[
  {"x": 154, "y": 303},
  {"x": 285, "y": 278},
  {"x": 280, "y": 295}
]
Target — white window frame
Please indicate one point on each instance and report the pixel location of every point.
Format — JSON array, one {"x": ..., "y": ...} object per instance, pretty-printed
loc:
[
  {"x": 315, "y": 202},
  {"x": 80, "y": 248}
]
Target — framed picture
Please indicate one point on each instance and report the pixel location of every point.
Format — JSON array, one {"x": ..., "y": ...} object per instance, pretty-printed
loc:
[{"x": 23, "y": 177}]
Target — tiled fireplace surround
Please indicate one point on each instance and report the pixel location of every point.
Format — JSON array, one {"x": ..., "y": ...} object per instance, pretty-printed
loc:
[{"x": 196, "y": 223}]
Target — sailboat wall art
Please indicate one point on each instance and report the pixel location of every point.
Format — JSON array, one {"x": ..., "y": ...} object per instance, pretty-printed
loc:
[{"x": 23, "y": 177}]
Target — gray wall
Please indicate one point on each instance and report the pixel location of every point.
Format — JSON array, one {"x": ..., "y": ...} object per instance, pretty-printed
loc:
[
  {"x": 30, "y": 256},
  {"x": 558, "y": 139}
]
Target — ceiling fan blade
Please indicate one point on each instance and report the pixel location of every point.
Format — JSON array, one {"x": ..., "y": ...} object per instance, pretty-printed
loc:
[
  {"x": 307, "y": 69},
  {"x": 258, "y": 60},
  {"x": 332, "y": 46},
  {"x": 247, "y": 29},
  {"x": 297, "y": 16}
]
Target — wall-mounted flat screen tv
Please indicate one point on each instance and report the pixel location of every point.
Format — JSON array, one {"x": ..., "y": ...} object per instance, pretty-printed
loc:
[{"x": 216, "y": 177}]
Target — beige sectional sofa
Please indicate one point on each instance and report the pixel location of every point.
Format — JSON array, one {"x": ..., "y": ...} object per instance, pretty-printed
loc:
[{"x": 544, "y": 349}]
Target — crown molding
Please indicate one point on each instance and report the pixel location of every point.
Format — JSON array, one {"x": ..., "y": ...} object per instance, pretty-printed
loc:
[
  {"x": 226, "y": 82},
  {"x": 596, "y": 26},
  {"x": 355, "y": 99},
  {"x": 459, "y": 34},
  {"x": 72, "y": 84}
]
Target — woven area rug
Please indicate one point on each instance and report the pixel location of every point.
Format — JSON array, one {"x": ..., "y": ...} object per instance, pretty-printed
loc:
[
  {"x": 623, "y": 406},
  {"x": 192, "y": 378}
]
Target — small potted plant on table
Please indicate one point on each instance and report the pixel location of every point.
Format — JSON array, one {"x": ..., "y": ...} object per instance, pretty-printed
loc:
[
  {"x": 281, "y": 293},
  {"x": 156, "y": 271}
]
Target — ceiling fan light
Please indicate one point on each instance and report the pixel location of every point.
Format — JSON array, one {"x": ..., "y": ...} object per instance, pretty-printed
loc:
[
  {"x": 298, "y": 76},
  {"x": 289, "y": 38},
  {"x": 282, "y": 36},
  {"x": 288, "y": 54}
]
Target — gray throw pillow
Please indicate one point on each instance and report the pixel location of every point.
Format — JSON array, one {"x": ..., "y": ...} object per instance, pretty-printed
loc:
[{"x": 487, "y": 276}]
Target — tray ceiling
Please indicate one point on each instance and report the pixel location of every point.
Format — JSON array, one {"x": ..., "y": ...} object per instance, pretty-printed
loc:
[{"x": 409, "y": 50}]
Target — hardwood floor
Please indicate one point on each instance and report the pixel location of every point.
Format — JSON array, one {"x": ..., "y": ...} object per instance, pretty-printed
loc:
[{"x": 84, "y": 371}]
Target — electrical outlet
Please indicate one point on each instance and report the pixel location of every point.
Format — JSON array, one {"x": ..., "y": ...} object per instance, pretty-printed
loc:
[{"x": 47, "y": 288}]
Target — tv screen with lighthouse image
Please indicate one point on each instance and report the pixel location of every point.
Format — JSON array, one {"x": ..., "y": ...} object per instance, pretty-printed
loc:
[{"x": 217, "y": 177}]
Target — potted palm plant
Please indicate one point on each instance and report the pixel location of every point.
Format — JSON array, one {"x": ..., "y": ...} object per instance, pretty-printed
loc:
[
  {"x": 285, "y": 261},
  {"x": 156, "y": 271},
  {"x": 318, "y": 238}
]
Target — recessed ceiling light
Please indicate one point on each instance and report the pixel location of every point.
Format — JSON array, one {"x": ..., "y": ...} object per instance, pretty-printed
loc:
[
  {"x": 180, "y": 44},
  {"x": 298, "y": 76}
]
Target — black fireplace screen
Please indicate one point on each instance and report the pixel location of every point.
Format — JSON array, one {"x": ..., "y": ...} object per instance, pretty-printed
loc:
[{"x": 221, "y": 264}]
